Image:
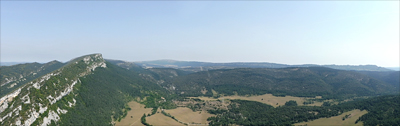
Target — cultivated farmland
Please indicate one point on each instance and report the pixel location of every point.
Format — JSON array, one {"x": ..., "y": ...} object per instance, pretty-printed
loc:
[
  {"x": 159, "y": 119},
  {"x": 188, "y": 116},
  {"x": 134, "y": 115},
  {"x": 266, "y": 98}
]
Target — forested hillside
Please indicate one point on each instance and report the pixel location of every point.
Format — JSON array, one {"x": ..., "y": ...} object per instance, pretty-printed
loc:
[
  {"x": 303, "y": 82},
  {"x": 390, "y": 77},
  {"x": 12, "y": 77},
  {"x": 383, "y": 110},
  {"x": 104, "y": 94}
]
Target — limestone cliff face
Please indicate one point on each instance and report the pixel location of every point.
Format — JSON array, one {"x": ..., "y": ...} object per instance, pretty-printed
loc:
[{"x": 42, "y": 100}]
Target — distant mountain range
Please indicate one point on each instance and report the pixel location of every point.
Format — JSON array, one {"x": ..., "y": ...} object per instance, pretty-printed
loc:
[
  {"x": 199, "y": 66},
  {"x": 295, "y": 81},
  {"x": 393, "y": 68},
  {"x": 10, "y": 63},
  {"x": 203, "y": 66}
]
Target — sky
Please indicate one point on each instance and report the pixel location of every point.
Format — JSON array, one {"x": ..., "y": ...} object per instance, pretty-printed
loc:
[{"x": 288, "y": 32}]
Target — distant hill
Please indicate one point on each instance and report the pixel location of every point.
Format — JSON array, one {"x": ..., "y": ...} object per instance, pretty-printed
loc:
[
  {"x": 11, "y": 63},
  {"x": 203, "y": 66},
  {"x": 390, "y": 77},
  {"x": 156, "y": 75},
  {"x": 299, "y": 81},
  {"x": 393, "y": 68}
]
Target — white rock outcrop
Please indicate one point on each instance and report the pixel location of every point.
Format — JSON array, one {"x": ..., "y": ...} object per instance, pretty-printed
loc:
[{"x": 52, "y": 116}]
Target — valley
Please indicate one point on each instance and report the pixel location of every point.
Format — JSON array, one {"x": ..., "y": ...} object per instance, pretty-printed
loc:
[
  {"x": 90, "y": 90},
  {"x": 267, "y": 99}
]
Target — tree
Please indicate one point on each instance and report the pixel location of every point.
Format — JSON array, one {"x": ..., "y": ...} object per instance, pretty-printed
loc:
[
  {"x": 326, "y": 104},
  {"x": 291, "y": 103}
]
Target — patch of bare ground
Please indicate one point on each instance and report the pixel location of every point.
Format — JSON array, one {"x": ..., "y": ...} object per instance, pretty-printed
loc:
[
  {"x": 134, "y": 115},
  {"x": 204, "y": 91}
]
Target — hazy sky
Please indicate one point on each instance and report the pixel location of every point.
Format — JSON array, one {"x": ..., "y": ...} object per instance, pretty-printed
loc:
[{"x": 289, "y": 32}]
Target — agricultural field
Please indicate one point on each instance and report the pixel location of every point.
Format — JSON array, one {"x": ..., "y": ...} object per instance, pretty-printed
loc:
[
  {"x": 188, "y": 116},
  {"x": 337, "y": 120},
  {"x": 159, "y": 119},
  {"x": 134, "y": 115},
  {"x": 266, "y": 98}
]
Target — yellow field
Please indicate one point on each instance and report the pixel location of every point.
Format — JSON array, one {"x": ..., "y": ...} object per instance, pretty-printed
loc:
[
  {"x": 188, "y": 116},
  {"x": 266, "y": 98},
  {"x": 159, "y": 119},
  {"x": 337, "y": 120},
  {"x": 136, "y": 112}
]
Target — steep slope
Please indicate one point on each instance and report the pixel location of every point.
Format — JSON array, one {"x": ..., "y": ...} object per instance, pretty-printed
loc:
[
  {"x": 310, "y": 82},
  {"x": 35, "y": 101},
  {"x": 12, "y": 77}
]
